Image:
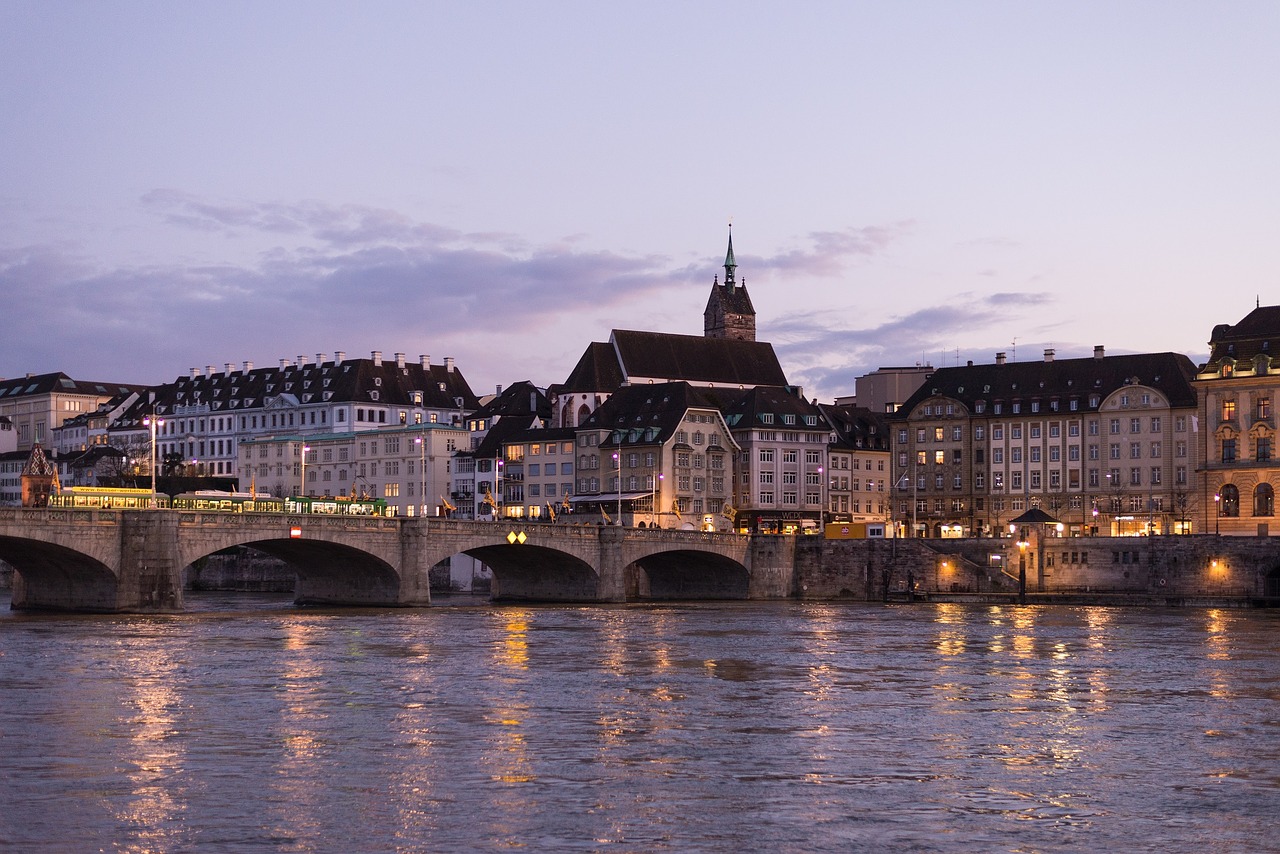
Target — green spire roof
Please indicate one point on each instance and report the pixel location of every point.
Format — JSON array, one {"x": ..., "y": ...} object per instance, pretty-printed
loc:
[{"x": 729, "y": 264}]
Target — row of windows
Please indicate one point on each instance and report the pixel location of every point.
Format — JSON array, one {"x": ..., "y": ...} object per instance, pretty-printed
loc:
[{"x": 1115, "y": 426}]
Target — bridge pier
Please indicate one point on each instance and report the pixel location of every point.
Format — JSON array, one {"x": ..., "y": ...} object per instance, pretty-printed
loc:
[
  {"x": 415, "y": 566},
  {"x": 149, "y": 578}
]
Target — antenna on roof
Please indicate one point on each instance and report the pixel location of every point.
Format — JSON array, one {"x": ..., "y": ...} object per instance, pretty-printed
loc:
[{"x": 1013, "y": 347}]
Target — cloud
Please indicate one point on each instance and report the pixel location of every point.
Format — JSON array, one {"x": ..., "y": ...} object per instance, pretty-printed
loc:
[
  {"x": 827, "y": 357},
  {"x": 359, "y": 277},
  {"x": 831, "y": 252}
]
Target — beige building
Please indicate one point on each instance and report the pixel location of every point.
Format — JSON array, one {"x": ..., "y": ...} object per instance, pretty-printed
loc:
[
  {"x": 409, "y": 466},
  {"x": 1238, "y": 389},
  {"x": 1104, "y": 444},
  {"x": 38, "y": 404}
]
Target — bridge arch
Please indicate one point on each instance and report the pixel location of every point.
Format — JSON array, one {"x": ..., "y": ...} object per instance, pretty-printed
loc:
[
  {"x": 53, "y": 576},
  {"x": 683, "y": 573},
  {"x": 333, "y": 562}
]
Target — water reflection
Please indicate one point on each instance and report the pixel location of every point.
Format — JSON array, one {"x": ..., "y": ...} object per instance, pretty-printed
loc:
[
  {"x": 781, "y": 726},
  {"x": 155, "y": 758}
]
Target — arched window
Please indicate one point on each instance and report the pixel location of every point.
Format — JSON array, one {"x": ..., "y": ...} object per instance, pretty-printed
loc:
[
  {"x": 584, "y": 412},
  {"x": 1264, "y": 500},
  {"x": 1230, "y": 500}
]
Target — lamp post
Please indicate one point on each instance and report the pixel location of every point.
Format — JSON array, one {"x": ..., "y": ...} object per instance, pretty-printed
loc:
[
  {"x": 303, "y": 491},
  {"x": 422, "y": 473},
  {"x": 653, "y": 506},
  {"x": 497, "y": 486},
  {"x": 1022, "y": 566},
  {"x": 153, "y": 422},
  {"x": 1217, "y": 514}
]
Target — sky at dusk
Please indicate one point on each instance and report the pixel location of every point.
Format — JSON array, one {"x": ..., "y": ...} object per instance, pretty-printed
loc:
[{"x": 195, "y": 183}]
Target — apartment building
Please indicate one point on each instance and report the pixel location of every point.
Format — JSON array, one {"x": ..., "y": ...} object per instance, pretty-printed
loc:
[
  {"x": 203, "y": 418},
  {"x": 859, "y": 464},
  {"x": 408, "y": 466},
  {"x": 1104, "y": 444}
]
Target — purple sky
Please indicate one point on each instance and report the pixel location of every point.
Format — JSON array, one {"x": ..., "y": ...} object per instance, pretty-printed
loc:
[{"x": 190, "y": 184}]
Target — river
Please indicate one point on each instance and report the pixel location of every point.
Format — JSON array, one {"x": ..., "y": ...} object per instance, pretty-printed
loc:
[{"x": 249, "y": 725}]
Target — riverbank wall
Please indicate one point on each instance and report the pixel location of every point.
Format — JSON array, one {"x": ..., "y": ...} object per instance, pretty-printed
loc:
[{"x": 1201, "y": 569}]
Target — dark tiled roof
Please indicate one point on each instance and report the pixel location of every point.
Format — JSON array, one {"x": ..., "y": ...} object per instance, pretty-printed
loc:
[
  {"x": 697, "y": 359},
  {"x": 857, "y": 427},
  {"x": 1062, "y": 379},
  {"x": 648, "y": 414},
  {"x": 732, "y": 302},
  {"x": 352, "y": 380},
  {"x": 503, "y": 431},
  {"x": 516, "y": 400},
  {"x": 769, "y": 405},
  {"x": 62, "y": 384},
  {"x": 597, "y": 370},
  {"x": 1258, "y": 332}
]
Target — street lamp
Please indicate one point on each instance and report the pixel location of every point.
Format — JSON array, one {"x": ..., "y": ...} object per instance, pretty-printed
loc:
[
  {"x": 303, "y": 491},
  {"x": 1022, "y": 566},
  {"x": 1217, "y": 514},
  {"x": 422, "y": 473},
  {"x": 153, "y": 422},
  {"x": 653, "y": 504}
]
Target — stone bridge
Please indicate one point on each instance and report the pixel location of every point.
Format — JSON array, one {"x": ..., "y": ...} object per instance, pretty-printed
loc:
[{"x": 132, "y": 560}]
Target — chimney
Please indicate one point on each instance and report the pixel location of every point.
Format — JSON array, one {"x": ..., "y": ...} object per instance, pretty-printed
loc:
[
  {"x": 283, "y": 363},
  {"x": 319, "y": 359},
  {"x": 999, "y": 358},
  {"x": 498, "y": 388},
  {"x": 339, "y": 356},
  {"x": 195, "y": 372},
  {"x": 1048, "y": 355},
  {"x": 533, "y": 401},
  {"x": 248, "y": 366},
  {"x": 1099, "y": 352},
  {"x": 226, "y": 368},
  {"x": 377, "y": 358},
  {"x": 302, "y": 361},
  {"x": 448, "y": 364},
  {"x": 208, "y": 370},
  {"x": 425, "y": 361},
  {"x": 399, "y": 360}
]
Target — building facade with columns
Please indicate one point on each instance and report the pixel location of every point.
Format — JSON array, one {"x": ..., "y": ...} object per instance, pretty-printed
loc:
[{"x": 1238, "y": 388}]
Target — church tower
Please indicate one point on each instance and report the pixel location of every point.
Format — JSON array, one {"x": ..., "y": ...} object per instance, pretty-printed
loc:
[{"x": 729, "y": 313}]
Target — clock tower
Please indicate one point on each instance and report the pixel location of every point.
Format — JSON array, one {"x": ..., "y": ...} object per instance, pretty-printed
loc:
[{"x": 729, "y": 313}]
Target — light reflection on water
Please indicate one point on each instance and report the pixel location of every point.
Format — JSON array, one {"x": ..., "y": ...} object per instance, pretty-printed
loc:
[{"x": 250, "y": 725}]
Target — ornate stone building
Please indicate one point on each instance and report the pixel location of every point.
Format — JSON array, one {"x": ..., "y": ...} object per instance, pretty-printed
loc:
[{"x": 1238, "y": 390}]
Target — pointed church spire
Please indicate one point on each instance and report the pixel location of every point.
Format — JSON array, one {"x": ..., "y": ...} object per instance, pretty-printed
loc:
[{"x": 729, "y": 264}]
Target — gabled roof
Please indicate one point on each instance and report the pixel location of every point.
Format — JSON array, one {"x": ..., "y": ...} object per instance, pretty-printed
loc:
[
  {"x": 733, "y": 300},
  {"x": 648, "y": 414},
  {"x": 696, "y": 359},
  {"x": 597, "y": 370},
  {"x": 1062, "y": 379},
  {"x": 857, "y": 427},
  {"x": 38, "y": 464},
  {"x": 503, "y": 431},
  {"x": 771, "y": 406},
  {"x": 521, "y": 398}
]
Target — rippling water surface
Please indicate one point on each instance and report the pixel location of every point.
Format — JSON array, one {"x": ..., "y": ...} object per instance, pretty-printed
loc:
[{"x": 250, "y": 725}]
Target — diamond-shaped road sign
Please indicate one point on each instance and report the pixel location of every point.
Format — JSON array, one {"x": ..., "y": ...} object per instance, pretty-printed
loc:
[{"x": 513, "y": 537}]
